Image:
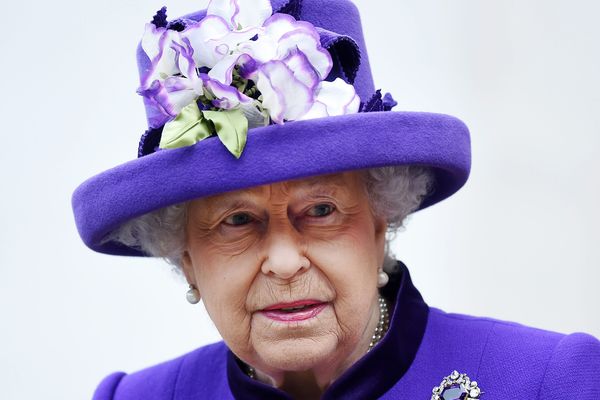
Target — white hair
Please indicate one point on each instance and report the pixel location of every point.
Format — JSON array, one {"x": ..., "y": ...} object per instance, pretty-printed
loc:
[{"x": 394, "y": 193}]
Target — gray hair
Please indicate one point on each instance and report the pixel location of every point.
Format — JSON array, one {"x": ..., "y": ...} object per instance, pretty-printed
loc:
[{"x": 394, "y": 193}]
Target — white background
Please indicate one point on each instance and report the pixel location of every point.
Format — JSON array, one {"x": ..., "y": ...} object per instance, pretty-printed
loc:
[{"x": 519, "y": 242}]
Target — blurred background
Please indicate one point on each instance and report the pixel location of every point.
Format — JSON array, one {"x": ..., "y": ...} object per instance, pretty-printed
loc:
[{"x": 519, "y": 242}]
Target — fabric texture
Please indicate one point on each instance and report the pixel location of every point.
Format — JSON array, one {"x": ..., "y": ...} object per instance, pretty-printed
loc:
[
  {"x": 275, "y": 153},
  {"x": 422, "y": 345}
]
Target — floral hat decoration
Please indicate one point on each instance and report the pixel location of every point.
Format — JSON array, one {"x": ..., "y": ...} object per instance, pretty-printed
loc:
[{"x": 249, "y": 92}]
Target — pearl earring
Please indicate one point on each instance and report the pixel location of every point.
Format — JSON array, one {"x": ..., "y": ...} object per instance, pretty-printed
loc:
[
  {"x": 382, "y": 278},
  {"x": 192, "y": 295}
]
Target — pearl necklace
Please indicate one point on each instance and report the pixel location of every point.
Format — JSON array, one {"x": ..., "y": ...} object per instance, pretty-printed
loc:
[{"x": 382, "y": 326}]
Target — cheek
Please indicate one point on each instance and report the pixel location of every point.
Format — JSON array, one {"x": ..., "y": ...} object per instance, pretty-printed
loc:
[
  {"x": 349, "y": 261},
  {"x": 349, "y": 264},
  {"x": 353, "y": 248},
  {"x": 224, "y": 283}
]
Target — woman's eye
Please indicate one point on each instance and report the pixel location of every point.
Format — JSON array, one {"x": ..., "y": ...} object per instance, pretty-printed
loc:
[
  {"x": 321, "y": 210},
  {"x": 238, "y": 219}
]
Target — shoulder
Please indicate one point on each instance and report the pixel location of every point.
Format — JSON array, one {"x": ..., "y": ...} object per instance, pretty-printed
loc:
[
  {"x": 573, "y": 368},
  {"x": 514, "y": 359},
  {"x": 204, "y": 367},
  {"x": 515, "y": 336}
]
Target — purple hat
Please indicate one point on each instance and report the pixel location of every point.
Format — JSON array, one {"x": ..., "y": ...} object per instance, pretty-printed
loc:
[{"x": 238, "y": 97}]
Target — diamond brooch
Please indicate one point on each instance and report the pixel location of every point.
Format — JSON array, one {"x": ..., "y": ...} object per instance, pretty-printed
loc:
[{"x": 456, "y": 386}]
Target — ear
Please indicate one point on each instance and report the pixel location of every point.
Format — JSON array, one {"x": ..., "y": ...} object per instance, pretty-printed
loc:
[
  {"x": 188, "y": 268},
  {"x": 380, "y": 236}
]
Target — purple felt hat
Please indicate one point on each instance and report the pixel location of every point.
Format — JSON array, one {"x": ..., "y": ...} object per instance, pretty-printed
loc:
[{"x": 370, "y": 135}]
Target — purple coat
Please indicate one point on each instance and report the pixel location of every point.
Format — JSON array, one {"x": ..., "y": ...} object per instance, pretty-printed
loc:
[{"x": 422, "y": 346}]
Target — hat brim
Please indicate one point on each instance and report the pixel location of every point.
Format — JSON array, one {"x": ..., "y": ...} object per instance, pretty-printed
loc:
[{"x": 273, "y": 153}]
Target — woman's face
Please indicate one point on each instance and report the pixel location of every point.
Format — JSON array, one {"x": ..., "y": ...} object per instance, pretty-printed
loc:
[{"x": 255, "y": 254}]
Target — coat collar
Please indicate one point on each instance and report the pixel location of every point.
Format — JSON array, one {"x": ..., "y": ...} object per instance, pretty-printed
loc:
[{"x": 378, "y": 370}]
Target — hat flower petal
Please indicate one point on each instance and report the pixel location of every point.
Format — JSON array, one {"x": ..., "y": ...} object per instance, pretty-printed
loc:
[
  {"x": 213, "y": 39},
  {"x": 241, "y": 13},
  {"x": 281, "y": 35},
  {"x": 334, "y": 98},
  {"x": 157, "y": 44},
  {"x": 252, "y": 13},
  {"x": 284, "y": 92}
]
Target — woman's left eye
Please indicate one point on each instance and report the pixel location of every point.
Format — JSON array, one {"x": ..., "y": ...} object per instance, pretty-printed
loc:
[
  {"x": 238, "y": 219},
  {"x": 321, "y": 210}
]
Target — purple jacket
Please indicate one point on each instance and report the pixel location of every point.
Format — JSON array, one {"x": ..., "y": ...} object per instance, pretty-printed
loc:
[{"x": 422, "y": 346}]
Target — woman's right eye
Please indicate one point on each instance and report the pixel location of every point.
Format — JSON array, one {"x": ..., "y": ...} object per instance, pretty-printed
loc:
[{"x": 238, "y": 219}]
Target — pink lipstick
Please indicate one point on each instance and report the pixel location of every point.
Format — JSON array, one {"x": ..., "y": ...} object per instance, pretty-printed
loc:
[{"x": 294, "y": 311}]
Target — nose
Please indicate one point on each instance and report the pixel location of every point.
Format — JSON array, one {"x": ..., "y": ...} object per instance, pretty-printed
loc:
[{"x": 285, "y": 251}]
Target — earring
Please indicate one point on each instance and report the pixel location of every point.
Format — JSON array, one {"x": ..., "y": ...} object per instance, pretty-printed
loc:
[
  {"x": 192, "y": 295},
  {"x": 382, "y": 278}
]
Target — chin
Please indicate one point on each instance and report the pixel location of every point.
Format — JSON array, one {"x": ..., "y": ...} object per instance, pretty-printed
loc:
[{"x": 297, "y": 354}]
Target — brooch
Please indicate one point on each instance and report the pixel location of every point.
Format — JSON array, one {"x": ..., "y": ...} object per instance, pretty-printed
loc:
[{"x": 456, "y": 386}]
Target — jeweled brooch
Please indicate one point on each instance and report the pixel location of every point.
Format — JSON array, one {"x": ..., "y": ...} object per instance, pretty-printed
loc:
[{"x": 456, "y": 386}]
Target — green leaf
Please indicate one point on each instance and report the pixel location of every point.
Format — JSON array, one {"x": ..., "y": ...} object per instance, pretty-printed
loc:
[
  {"x": 188, "y": 128},
  {"x": 231, "y": 127}
]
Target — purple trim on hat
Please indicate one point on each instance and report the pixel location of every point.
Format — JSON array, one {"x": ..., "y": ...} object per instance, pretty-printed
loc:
[
  {"x": 388, "y": 102},
  {"x": 149, "y": 141},
  {"x": 373, "y": 104},
  {"x": 160, "y": 18},
  {"x": 378, "y": 103},
  {"x": 179, "y": 24},
  {"x": 344, "y": 53},
  {"x": 273, "y": 153}
]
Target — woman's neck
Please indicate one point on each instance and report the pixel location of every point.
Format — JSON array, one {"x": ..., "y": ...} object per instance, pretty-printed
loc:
[{"x": 302, "y": 385}]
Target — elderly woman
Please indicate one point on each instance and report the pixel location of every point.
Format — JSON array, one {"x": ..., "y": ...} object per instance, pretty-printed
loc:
[{"x": 272, "y": 175}]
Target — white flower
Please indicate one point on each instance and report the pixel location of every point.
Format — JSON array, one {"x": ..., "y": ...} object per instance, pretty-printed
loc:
[
  {"x": 287, "y": 86},
  {"x": 333, "y": 98},
  {"x": 241, "y": 14},
  {"x": 156, "y": 43},
  {"x": 212, "y": 40}
]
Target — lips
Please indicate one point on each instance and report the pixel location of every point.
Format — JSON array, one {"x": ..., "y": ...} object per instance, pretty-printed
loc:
[{"x": 294, "y": 311}]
